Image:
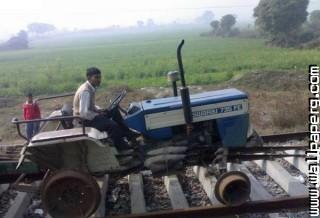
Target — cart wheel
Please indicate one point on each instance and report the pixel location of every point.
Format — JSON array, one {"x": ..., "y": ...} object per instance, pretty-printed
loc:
[{"x": 69, "y": 193}]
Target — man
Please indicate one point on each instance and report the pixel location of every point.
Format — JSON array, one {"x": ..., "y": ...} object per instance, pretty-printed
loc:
[
  {"x": 84, "y": 106},
  {"x": 31, "y": 111}
]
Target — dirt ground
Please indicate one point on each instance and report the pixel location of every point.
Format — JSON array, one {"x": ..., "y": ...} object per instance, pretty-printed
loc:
[{"x": 278, "y": 102}]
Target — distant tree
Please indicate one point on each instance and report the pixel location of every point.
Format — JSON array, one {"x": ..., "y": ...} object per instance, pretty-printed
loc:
[
  {"x": 150, "y": 23},
  {"x": 215, "y": 25},
  {"x": 311, "y": 29},
  {"x": 280, "y": 20},
  {"x": 234, "y": 32},
  {"x": 40, "y": 28},
  {"x": 224, "y": 27},
  {"x": 226, "y": 24},
  {"x": 205, "y": 18},
  {"x": 16, "y": 42},
  {"x": 315, "y": 17},
  {"x": 20, "y": 41},
  {"x": 140, "y": 23}
]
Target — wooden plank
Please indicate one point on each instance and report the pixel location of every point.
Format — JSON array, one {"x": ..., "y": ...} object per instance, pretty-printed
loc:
[
  {"x": 103, "y": 184},
  {"x": 19, "y": 206},
  {"x": 178, "y": 200},
  {"x": 138, "y": 204},
  {"x": 208, "y": 183},
  {"x": 3, "y": 188}
]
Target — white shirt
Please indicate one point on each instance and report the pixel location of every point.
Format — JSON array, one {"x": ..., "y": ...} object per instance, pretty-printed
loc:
[{"x": 84, "y": 105}]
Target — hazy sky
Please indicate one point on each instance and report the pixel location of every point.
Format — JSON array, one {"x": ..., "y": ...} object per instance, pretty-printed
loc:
[{"x": 69, "y": 14}]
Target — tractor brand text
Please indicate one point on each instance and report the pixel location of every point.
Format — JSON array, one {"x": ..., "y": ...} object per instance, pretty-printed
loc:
[{"x": 219, "y": 110}]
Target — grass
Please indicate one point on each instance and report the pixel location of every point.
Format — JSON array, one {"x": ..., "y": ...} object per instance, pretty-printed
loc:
[
  {"x": 278, "y": 111},
  {"x": 138, "y": 60}
]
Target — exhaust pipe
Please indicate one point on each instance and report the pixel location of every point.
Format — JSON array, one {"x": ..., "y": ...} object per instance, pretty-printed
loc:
[
  {"x": 233, "y": 188},
  {"x": 184, "y": 92}
]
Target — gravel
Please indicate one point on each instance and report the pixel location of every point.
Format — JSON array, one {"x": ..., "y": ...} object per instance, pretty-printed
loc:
[
  {"x": 155, "y": 193},
  {"x": 35, "y": 209},
  {"x": 118, "y": 197},
  {"x": 193, "y": 190}
]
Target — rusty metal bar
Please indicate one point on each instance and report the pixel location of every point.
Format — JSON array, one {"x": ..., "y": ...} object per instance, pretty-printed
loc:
[
  {"x": 285, "y": 137},
  {"x": 23, "y": 187},
  {"x": 14, "y": 120},
  {"x": 18, "y": 122},
  {"x": 55, "y": 96},
  {"x": 297, "y": 203}
]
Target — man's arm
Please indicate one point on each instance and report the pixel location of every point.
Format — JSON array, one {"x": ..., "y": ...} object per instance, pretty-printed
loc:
[{"x": 84, "y": 106}]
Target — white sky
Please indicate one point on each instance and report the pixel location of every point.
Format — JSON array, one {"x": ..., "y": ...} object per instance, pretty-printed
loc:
[{"x": 69, "y": 14}]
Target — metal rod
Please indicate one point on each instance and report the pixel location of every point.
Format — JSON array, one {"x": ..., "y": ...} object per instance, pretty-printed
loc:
[
  {"x": 20, "y": 133},
  {"x": 174, "y": 87},
  {"x": 300, "y": 202},
  {"x": 55, "y": 96}
]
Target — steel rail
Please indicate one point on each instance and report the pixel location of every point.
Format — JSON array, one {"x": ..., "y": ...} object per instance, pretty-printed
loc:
[
  {"x": 269, "y": 206},
  {"x": 251, "y": 157},
  {"x": 10, "y": 178},
  {"x": 264, "y": 149},
  {"x": 285, "y": 137}
]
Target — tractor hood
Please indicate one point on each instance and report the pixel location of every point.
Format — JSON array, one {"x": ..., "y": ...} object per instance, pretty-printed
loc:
[{"x": 154, "y": 117}]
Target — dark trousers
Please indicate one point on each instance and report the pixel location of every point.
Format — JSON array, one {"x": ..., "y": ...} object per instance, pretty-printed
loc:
[
  {"x": 103, "y": 123},
  {"x": 32, "y": 129}
]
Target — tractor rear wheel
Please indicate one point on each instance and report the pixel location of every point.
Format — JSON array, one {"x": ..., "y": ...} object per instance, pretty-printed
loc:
[{"x": 69, "y": 193}]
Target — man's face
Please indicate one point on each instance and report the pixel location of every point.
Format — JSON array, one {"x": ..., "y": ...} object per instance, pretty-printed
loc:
[
  {"x": 30, "y": 99},
  {"x": 95, "y": 80}
]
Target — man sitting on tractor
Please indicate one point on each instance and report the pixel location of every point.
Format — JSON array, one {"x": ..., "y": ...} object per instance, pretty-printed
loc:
[{"x": 84, "y": 106}]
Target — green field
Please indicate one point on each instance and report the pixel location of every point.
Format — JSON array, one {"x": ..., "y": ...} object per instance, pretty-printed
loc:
[{"x": 139, "y": 60}]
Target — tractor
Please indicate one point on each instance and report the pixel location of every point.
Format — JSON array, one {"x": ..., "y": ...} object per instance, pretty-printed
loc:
[{"x": 206, "y": 129}]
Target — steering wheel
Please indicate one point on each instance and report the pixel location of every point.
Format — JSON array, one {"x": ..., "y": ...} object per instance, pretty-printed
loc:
[{"x": 116, "y": 101}]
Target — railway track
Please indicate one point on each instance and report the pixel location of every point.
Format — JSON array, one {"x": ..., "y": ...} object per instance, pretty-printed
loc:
[{"x": 275, "y": 186}]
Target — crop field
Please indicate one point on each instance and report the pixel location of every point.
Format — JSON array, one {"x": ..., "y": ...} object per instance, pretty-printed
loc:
[{"x": 139, "y": 59}]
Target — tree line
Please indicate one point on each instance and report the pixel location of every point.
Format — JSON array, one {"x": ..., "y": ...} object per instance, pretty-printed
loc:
[
  {"x": 21, "y": 40},
  {"x": 284, "y": 23}
]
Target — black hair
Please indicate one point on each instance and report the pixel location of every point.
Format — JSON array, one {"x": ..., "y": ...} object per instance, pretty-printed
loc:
[
  {"x": 29, "y": 94},
  {"x": 92, "y": 71}
]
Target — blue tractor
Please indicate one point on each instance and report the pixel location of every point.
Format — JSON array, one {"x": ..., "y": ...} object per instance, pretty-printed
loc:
[{"x": 205, "y": 129}]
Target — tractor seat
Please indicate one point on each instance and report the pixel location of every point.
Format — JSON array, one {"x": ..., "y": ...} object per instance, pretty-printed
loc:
[{"x": 67, "y": 110}]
